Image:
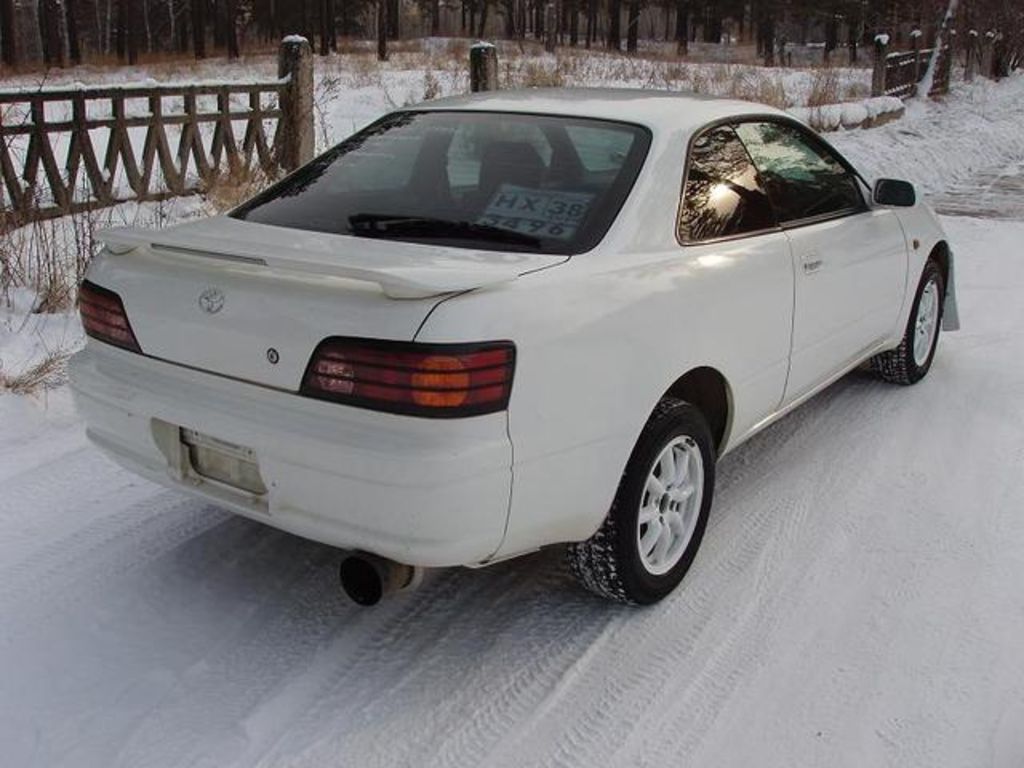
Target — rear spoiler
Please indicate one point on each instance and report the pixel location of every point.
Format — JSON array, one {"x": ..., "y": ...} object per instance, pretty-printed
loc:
[{"x": 397, "y": 280}]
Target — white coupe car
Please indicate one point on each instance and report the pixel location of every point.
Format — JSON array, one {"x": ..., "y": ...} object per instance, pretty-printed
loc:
[{"x": 486, "y": 325}]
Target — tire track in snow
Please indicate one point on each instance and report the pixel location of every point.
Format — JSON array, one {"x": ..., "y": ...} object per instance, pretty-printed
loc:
[
  {"x": 482, "y": 700},
  {"x": 503, "y": 713},
  {"x": 36, "y": 502},
  {"x": 294, "y": 667},
  {"x": 102, "y": 539},
  {"x": 642, "y": 654},
  {"x": 801, "y": 525}
]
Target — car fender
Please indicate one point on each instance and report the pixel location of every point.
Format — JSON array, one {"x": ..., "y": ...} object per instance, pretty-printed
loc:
[
  {"x": 599, "y": 341},
  {"x": 924, "y": 234}
]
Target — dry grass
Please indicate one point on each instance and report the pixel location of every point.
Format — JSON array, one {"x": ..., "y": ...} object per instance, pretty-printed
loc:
[
  {"x": 759, "y": 86},
  {"x": 824, "y": 87},
  {"x": 56, "y": 295},
  {"x": 48, "y": 373},
  {"x": 48, "y": 256},
  {"x": 431, "y": 85},
  {"x": 537, "y": 74},
  {"x": 856, "y": 91},
  {"x": 326, "y": 89},
  {"x": 228, "y": 190}
]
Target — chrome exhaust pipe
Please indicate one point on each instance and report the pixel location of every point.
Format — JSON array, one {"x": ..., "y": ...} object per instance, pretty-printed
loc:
[{"x": 368, "y": 579}]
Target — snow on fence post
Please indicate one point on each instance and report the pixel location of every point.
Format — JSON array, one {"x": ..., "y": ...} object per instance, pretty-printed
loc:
[
  {"x": 295, "y": 62},
  {"x": 878, "y": 75},
  {"x": 483, "y": 67}
]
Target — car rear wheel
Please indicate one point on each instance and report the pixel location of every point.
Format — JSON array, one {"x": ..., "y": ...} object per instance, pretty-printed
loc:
[
  {"x": 657, "y": 520},
  {"x": 911, "y": 360}
]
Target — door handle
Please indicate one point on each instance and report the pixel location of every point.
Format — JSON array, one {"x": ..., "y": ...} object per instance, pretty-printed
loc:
[{"x": 812, "y": 263}]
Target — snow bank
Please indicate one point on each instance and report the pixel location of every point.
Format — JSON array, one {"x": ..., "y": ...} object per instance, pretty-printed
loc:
[
  {"x": 27, "y": 337},
  {"x": 976, "y": 127},
  {"x": 858, "y": 114}
]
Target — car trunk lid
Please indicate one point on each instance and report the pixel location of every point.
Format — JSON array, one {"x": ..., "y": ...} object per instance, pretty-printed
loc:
[{"x": 252, "y": 301}]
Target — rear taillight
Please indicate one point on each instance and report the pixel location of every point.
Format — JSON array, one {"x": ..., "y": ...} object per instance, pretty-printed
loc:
[
  {"x": 104, "y": 318},
  {"x": 436, "y": 380}
]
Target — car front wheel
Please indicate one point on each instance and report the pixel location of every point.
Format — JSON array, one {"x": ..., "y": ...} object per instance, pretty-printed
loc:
[
  {"x": 657, "y": 520},
  {"x": 910, "y": 361}
]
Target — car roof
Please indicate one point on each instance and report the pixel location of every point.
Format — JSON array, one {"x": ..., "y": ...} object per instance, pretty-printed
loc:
[{"x": 656, "y": 109}]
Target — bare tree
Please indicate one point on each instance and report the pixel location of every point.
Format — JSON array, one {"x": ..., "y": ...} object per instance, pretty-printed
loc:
[
  {"x": 199, "y": 28},
  {"x": 56, "y": 31},
  {"x": 615, "y": 24},
  {"x": 382, "y": 29},
  {"x": 51, "y": 29},
  {"x": 682, "y": 27},
  {"x": 71, "y": 25},
  {"x": 8, "y": 34},
  {"x": 632, "y": 25},
  {"x": 231, "y": 27},
  {"x": 328, "y": 31}
]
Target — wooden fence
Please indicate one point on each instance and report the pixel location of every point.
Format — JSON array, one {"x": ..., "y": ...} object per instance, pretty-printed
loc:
[
  {"x": 219, "y": 128},
  {"x": 900, "y": 73}
]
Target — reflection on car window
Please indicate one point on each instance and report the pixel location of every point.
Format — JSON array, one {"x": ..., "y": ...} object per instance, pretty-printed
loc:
[
  {"x": 723, "y": 196},
  {"x": 481, "y": 180},
  {"x": 803, "y": 178}
]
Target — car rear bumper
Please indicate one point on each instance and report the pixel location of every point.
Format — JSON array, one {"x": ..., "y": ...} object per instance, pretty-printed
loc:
[{"x": 421, "y": 491}]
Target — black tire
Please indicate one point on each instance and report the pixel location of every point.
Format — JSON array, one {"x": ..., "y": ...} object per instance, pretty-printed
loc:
[
  {"x": 898, "y": 366},
  {"x": 609, "y": 563}
]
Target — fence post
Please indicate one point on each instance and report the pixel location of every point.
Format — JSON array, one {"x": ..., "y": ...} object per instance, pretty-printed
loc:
[
  {"x": 878, "y": 74},
  {"x": 483, "y": 67},
  {"x": 986, "y": 53},
  {"x": 295, "y": 61},
  {"x": 972, "y": 55},
  {"x": 915, "y": 40}
]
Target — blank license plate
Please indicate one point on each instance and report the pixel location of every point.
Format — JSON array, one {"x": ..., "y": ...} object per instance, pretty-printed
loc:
[{"x": 225, "y": 462}]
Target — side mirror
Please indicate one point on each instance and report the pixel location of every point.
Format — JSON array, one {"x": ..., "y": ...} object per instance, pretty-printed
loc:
[{"x": 895, "y": 192}]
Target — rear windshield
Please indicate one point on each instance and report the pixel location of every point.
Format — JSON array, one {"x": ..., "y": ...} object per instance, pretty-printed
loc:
[{"x": 485, "y": 180}]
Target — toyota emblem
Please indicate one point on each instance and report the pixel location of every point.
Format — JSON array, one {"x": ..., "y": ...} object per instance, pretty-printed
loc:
[{"x": 211, "y": 301}]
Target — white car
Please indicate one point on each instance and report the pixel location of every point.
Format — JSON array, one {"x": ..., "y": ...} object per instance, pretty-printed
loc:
[{"x": 486, "y": 325}]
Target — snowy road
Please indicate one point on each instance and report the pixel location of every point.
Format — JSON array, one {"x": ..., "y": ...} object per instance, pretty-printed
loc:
[
  {"x": 996, "y": 193},
  {"x": 857, "y": 602}
]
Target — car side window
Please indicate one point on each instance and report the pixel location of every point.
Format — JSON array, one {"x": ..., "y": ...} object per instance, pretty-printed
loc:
[
  {"x": 804, "y": 179},
  {"x": 723, "y": 195}
]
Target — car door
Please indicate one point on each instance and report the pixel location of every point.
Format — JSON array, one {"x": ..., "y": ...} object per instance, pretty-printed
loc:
[
  {"x": 850, "y": 259},
  {"x": 740, "y": 293}
]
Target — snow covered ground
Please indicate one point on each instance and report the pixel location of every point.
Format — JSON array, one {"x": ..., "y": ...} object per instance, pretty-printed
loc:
[{"x": 856, "y": 602}]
